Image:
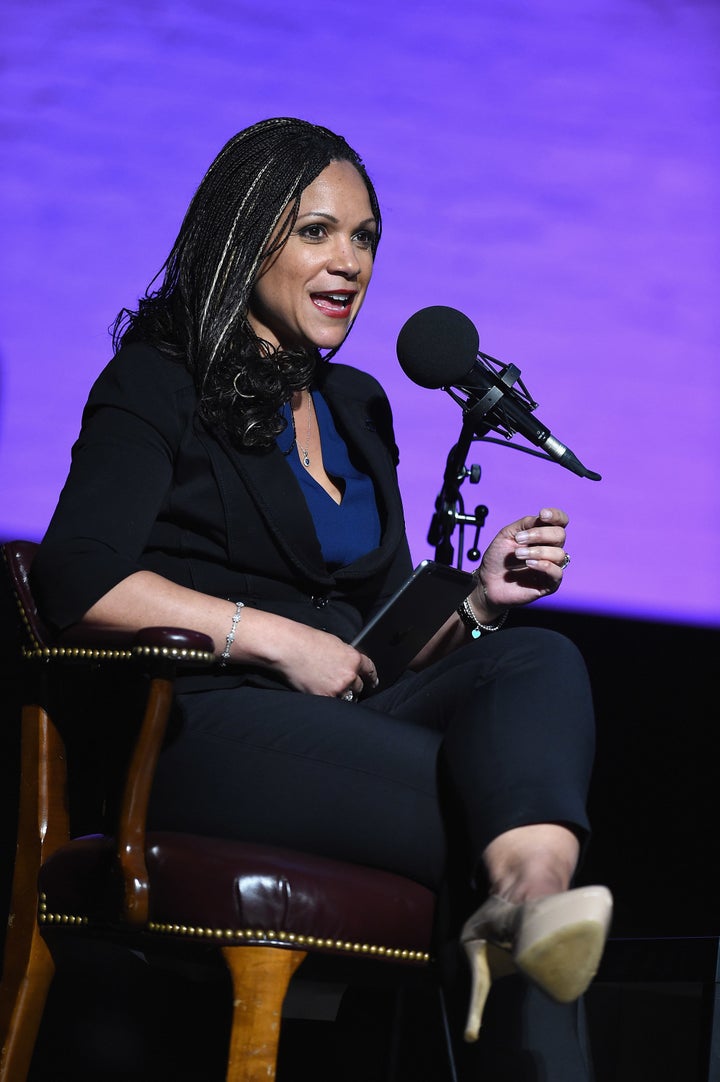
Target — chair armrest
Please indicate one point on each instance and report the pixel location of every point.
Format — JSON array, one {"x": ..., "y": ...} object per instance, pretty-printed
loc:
[
  {"x": 159, "y": 651},
  {"x": 173, "y": 643}
]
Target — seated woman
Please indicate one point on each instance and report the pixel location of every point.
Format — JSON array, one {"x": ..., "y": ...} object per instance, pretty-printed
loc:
[{"x": 229, "y": 476}]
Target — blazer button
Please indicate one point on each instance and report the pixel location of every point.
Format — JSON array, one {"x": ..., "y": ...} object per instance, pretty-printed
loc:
[{"x": 319, "y": 602}]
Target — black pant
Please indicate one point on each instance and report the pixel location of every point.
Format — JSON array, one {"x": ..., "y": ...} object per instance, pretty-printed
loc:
[{"x": 497, "y": 735}]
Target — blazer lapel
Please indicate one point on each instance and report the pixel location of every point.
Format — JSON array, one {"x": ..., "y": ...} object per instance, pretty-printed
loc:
[
  {"x": 362, "y": 431},
  {"x": 277, "y": 496}
]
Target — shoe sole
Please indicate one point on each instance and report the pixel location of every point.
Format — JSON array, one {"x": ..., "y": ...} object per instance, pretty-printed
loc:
[
  {"x": 564, "y": 964},
  {"x": 562, "y": 939}
]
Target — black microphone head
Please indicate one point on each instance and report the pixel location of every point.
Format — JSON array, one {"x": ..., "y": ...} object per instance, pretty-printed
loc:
[{"x": 438, "y": 346}]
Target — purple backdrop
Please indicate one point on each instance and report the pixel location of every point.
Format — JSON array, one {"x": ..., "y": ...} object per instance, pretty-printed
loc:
[{"x": 551, "y": 169}]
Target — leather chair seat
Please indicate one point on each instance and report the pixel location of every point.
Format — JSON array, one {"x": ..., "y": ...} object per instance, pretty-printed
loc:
[{"x": 216, "y": 889}]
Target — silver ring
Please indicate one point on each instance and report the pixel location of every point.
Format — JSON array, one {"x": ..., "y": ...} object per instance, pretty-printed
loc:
[
  {"x": 348, "y": 696},
  {"x": 566, "y": 561}
]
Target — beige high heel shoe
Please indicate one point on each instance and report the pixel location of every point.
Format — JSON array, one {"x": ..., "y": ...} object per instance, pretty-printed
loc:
[{"x": 557, "y": 941}]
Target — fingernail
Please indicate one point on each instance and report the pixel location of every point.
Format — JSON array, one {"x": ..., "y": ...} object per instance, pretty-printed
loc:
[
  {"x": 522, "y": 536},
  {"x": 522, "y": 553}
]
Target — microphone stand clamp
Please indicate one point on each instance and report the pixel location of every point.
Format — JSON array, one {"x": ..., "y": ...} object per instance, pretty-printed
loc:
[{"x": 449, "y": 506}]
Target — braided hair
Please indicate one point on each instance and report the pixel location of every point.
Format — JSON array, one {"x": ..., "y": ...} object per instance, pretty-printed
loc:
[{"x": 198, "y": 312}]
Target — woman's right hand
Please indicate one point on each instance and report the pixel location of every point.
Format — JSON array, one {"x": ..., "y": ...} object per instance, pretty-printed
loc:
[{"x": 316, "y": 662}]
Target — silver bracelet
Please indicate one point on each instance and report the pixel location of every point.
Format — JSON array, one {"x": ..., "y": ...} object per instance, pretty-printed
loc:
[
  {"x": 468, "y": 617},
  {"x": 230, "y": 639}
]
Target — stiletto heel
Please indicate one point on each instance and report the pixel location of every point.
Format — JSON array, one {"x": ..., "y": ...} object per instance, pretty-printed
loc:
[
  {"x": 476, "y": 951},
  {"x": 487, "y": 938},
  {"x": 557, "y": 941}
]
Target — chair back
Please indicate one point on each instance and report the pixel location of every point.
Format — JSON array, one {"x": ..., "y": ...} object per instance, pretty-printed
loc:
[{"x": 18, "y": 557}]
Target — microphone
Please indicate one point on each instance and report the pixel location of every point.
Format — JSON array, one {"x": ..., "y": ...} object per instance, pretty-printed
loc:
[{"x": 439, "y": 347}]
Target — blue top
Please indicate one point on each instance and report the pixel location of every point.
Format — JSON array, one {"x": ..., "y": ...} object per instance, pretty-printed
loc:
[{"x": 351, "y": 528}]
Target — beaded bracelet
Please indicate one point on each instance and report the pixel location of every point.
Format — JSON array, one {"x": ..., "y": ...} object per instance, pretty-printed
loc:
[
  {"x": 468, "y": 617},
  {"x": 230, "y": 639}
]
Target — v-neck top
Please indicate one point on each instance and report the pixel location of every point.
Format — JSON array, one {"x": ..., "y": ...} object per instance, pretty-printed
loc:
[{"x": 351, "y": 528}]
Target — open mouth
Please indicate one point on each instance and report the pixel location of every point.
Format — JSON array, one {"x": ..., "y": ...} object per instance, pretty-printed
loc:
[{"x": 337, "y": 305}]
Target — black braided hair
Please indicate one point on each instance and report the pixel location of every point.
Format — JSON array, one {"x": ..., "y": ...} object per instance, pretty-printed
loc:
[{"x": 198, "y": 312}]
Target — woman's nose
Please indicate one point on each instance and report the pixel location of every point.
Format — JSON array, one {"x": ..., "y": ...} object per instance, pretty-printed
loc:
[{"x": 344, "y": 259}]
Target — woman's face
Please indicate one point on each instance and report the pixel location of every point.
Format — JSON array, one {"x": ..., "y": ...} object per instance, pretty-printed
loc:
[{"x": 311, "y": 290}]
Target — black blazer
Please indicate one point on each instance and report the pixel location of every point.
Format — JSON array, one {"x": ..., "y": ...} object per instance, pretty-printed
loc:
[{"x": 150, "y": 487}]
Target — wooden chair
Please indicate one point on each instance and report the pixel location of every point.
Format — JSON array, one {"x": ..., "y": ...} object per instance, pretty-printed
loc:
[{"x": 263, "y": 910}]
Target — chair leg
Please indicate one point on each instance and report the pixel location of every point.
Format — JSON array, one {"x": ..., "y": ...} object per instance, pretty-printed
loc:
[
  {"x": 29, "y": 970},
  {"x": 260, "y": 977}
]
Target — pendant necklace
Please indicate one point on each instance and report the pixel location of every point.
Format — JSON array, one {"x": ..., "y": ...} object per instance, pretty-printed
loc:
[{"x": 304, "y": 451}]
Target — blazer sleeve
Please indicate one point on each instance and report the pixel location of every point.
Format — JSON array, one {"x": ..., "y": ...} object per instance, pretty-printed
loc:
[{"x": 121, "y": 468}]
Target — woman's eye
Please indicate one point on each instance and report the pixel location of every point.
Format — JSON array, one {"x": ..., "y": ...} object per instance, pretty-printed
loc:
[
  {"x": 365, "y": 238},
  {"x": 312, "y": 232}
]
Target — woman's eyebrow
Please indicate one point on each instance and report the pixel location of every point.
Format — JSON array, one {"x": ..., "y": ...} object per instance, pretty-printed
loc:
[{"x": 331, "y": 217}]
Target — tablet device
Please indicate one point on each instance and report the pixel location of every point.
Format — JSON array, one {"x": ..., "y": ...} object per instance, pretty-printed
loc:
[{"x": 412, "y": 616}]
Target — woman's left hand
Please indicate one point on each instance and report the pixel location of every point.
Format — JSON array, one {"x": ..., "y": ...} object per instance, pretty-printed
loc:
[{"x": 523, "y": 562}]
